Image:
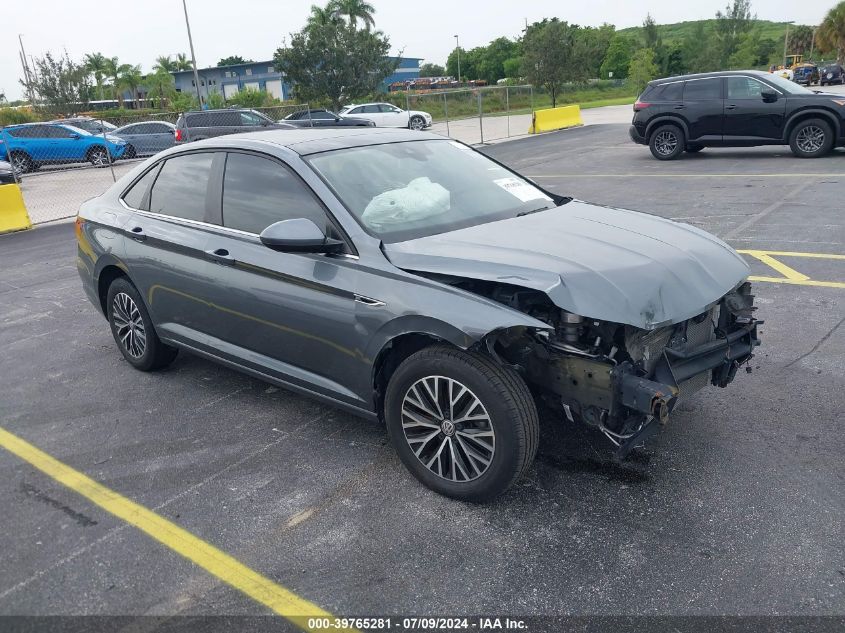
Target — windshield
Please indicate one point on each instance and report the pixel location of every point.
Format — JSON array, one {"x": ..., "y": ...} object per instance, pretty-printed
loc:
[
  {"x": 402, "y": 191},
  {"x": 787, "y": 86}
]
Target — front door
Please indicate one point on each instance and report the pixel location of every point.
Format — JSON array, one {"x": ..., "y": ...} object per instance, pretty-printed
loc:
[
  {"x": 704, "y": 109},
  {"x": 289, "y": 313},
  {"x": 747, "y": 116}
]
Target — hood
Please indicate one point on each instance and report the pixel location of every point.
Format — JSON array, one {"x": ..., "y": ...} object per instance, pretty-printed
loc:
[{"x": 599, "y": 262}]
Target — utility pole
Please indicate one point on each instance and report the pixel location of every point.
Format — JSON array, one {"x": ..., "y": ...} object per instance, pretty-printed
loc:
[
  {"x": 193, "y": 56},
  {"x": 458, "y": 48},
  {"x": 26, "y": 73},
  {"x": 785, "y": 40},
  {"x": 812, "y": 43}
]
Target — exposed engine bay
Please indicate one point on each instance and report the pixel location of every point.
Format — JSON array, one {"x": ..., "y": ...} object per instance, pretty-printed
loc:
[{"x": 623, "y": 380}]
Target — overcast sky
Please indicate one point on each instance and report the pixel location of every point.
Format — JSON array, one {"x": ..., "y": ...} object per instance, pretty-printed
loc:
[{"x": 137, "y": 32}]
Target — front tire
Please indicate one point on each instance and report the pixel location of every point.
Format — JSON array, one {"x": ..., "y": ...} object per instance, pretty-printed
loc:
[
  {"x": 811, "y": 138},
  {"x": 98, "y": 156},
  {"x": 416, "y": 123},
  {"x": 465, "y": 426},
  {"x": 667, "y": 142},
  {"x": 132, "y": 328},
  {"x": 130, "y": 152},
  {"x": 21, "y": 163}
]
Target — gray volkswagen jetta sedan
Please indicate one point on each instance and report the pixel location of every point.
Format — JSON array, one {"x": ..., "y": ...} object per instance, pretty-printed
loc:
[{"x": 410, "y": 279}]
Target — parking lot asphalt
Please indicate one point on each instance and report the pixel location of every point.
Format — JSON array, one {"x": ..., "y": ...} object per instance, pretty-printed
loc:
[{"x": 735, "y": 509}]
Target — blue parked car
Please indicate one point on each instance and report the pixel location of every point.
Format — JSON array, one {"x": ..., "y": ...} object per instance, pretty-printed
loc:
[{"x": 30, "y": 145}]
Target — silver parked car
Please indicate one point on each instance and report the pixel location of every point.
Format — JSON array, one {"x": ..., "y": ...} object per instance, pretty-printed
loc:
[
  {"x": 410, "y": 279},
  {"x": 146, "y": 138}
]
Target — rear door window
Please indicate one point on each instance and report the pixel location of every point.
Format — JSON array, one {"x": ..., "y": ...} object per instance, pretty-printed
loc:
[
  {"x": 703, "y": 89},
  {"x": 182, "y": 185},
  {"x": 669, "y": 92},
  {"x": 258, "y": 192},
  {"x": 135, "y": 198}
]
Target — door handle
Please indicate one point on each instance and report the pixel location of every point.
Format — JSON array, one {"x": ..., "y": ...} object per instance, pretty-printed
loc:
[
  {"x": 138, "y": 233},
  {"x": 730, "y": 107},
  {"x": 221, "y": 256},
  {"x": 680, "y": 107}
]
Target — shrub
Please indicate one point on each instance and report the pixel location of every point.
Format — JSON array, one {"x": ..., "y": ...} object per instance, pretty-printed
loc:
[{"x": 13, "y": 116}]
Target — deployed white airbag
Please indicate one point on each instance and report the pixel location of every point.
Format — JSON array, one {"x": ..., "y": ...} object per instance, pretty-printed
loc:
[{"x": 420, "y": 199}]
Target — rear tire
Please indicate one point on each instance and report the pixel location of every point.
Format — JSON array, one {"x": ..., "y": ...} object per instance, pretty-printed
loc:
[
  {"x": 811, "y": 138},
  {"x": 21, "y": 163},
  {"x": 482, "y": 428},
  {"x": 133, "y": 330},
  {"x": 667, "y": 142}
]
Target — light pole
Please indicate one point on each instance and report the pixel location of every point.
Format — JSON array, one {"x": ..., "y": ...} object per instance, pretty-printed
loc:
[
  {"x": 785, "y": 39},
  {"x": 458, "y": 48},
  {"x": 193, "y": 57}
]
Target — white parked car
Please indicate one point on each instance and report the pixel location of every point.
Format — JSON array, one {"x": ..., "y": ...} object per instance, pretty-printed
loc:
[{"x": 388, "y": 115}]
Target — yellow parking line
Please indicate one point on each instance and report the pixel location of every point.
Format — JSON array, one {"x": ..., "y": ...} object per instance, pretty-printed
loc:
[
  {"x": 783, "y": 269},
  {"x": 799, "y": 282},
  {"x": 216, "y": 562},
  {"x": 792, "y": 254}
]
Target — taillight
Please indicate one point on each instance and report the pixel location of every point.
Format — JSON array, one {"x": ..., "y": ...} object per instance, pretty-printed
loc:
[
  {"x": 640, "y": 105},
  {"x": 178, "y": 134}
]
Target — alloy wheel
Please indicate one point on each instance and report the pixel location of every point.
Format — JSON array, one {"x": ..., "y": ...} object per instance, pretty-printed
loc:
[
  {"x": 448, "y": 428},
  {"x": 416, "y": 123},
  {"x": 129, "y": 325},
  {"x": 99, "y": 158},
  {"x": 810, "y": 139},
  {"x": 666, "y": 142},
  {"x": 20, "y": 164}
]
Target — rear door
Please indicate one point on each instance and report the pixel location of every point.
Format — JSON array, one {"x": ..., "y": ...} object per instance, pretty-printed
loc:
[
  {"x": 167, "y": 243},
  {"x": 289, "y": 313},
  {"x": 747, "y": 117},
  {"x": 703, "y": 108}
]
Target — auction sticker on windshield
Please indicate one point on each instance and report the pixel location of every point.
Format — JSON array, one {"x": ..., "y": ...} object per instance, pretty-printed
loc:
[{"x": 521, "y": 189}]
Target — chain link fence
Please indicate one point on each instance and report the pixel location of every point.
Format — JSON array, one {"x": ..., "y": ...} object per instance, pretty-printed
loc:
[{"x": 60, "y": 163}]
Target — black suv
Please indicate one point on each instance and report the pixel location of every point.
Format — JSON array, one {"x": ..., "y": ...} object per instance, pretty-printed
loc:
[
  {"x": 736, "y": 109},
  {"x": 195, "y": 126},
  {"x": 832, "y": 74}
]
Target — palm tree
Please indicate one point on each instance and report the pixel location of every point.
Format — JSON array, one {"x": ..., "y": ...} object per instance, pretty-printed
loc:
[
  {"x": 131, "y": 78},
  {"x": 95, "y": 63},
  {"x": 113, "y": 69},
  {"x": 831, "y": 34},
  {"x": 183, "y": 63},
  {"x": 354, "y": 10},
  {"x": 163, "y": 62},
  {"x": 321, "y": 16},
  {"x": 160, "y": 87}
]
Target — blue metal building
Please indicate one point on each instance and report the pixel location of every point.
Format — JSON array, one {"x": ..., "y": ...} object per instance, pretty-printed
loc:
[{"x": 229, "y": 80}]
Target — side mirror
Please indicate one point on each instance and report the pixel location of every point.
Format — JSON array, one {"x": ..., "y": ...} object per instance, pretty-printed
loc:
[
  {"x": 769, "y": 96},
  {"x": 299, "y": 235},
  {"x": 75, "y": 136}
]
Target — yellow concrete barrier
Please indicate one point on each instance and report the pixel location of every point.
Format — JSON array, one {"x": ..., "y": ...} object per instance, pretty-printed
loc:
[
  {"x": 13, "y": 215},
  {"x": 555, "y": 119}
]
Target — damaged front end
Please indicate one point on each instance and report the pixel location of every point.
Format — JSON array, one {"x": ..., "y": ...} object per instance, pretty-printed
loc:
[{"x": 623, "y": 380}]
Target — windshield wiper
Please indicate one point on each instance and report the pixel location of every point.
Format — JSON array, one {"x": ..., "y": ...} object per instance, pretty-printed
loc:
[{"x": 529, "y": 212}]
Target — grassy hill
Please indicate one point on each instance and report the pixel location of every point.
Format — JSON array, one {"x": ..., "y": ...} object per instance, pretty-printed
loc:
[{"x": 675, "y": 33}]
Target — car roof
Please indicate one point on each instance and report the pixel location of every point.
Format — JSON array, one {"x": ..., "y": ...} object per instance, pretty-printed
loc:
[
  {"x": 721, "y": 73},
  {"x": 306, "y": 141}
]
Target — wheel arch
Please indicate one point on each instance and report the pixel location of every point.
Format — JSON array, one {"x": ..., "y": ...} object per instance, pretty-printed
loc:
[
  {"x": 812, "y": 113},
  {"x": 663, "y": 120},
  {"x": 108, "y": 269}
]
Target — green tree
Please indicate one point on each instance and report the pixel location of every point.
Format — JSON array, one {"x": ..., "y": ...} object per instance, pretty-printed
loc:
[
  {"x": 215, "y": 101},
  {"x": 184, "y": 101},
  {"x": 432, "y": 70},
  {"x": 160, "y": 87},
  {"x": 232, "y": 60},
  {"x": 95, "y": 63},
  {"x": 745, "y": 56},
  {"x": 651, "y": 36},
  {"x": 60, "y": 84},
  {"x": 698, "y": 50},
  {"x": 800, "y": 39},
  {"x": 512, "y": 67},
  {"x": 831, "y": 34},
  {"x": 354, "y": 10},
  {"x": 492, "y": 58},
  {"x": 548, "y": 55},
  {"x": 731, "y": 26},
  {"x": 642, "y": 68},
  {"x": 335, "y": 62},
  {"x": 113, "y": 70},
  {"x": 248, "y": 98},
  {"x": 183, "y": 63},
  {"x": 165, "y": 63},
  {"x": 452, "y": 63},
  {"x": 618, "y": 57},
  {"x": 591, "y": 48},
  {"x": 131, "y": 79}
]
